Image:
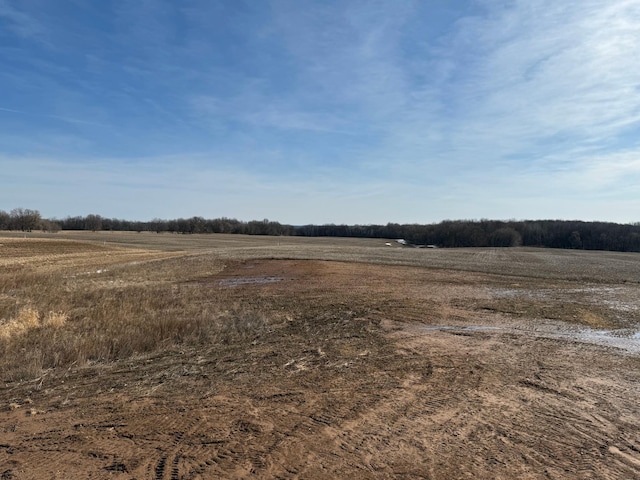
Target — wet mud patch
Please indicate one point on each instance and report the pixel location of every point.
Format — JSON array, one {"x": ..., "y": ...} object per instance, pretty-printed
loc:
[
  {"x": 255, "y": 273},
  {"x": 624, "y": 339},
  {"x": 237, "y": 281},
  {"x": 598, "y": 308}
]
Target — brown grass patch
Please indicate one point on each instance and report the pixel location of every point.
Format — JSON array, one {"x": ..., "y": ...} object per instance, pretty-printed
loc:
[
  {"x": 73, "y": 311},
  {"x": 27, "y": 319}
]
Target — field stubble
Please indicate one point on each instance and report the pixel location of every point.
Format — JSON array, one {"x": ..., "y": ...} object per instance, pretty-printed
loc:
[{"x": 171, "y": 356}]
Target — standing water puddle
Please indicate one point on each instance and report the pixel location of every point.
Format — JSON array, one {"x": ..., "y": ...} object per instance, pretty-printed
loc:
[
  {"x": 237, "y": 281},
  {"x": 628, "y": 340}
]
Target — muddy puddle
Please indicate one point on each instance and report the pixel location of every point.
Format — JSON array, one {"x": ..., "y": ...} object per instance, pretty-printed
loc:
[
  {"x": 623, "y": 299},
  {"x": 238, "y": 281},
  {"x": 624, "y": 339}
]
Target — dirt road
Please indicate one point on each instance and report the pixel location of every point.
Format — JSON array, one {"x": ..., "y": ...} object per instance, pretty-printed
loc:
[{"x": 363, "y": 371}]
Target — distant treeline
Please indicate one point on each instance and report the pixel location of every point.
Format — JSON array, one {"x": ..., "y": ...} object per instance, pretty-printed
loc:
[{"x": 459, "y": 233}]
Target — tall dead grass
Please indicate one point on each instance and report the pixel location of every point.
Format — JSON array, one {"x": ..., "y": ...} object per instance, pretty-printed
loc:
[
  {"x": 53, "y": 320},
  {"x": 27, "y": 319}
]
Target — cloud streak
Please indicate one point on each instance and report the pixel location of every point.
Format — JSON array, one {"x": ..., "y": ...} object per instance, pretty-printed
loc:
[{"x": 56, "y": 117}]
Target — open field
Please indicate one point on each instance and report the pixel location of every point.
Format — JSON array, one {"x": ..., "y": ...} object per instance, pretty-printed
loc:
[{"x": 159, "y": 356}]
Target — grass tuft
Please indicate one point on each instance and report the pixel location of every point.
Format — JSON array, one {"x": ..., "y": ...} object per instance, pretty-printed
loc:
[{"x": 28, "y": 319}]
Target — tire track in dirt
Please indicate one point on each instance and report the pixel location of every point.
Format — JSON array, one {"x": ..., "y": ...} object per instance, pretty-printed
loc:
[
  {"x": 171, "y": 437},
  {"x": 541, "y": 421},
  {"x": 207, "y": 440}
]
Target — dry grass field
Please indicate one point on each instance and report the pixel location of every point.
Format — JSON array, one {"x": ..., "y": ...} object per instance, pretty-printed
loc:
[{"x": 159, "y": 356}]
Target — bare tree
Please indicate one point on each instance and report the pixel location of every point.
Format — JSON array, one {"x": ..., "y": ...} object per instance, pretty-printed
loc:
[
  {"x": 93, "y": 222},
  {"x": 25, "y": 219},
  {"x": 5, "y": 220},
  {"x": 49, "y": 226}
]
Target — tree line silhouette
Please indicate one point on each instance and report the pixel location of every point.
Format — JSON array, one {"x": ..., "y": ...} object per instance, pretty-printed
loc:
[{"x": 570, "y": 234}]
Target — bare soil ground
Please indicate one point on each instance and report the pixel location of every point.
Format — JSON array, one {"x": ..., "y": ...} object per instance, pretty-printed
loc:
[{"x": 369, "y": 362}]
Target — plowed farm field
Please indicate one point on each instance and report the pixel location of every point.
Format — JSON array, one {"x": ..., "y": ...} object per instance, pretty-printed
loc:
[{"x": 158, "y": 356}]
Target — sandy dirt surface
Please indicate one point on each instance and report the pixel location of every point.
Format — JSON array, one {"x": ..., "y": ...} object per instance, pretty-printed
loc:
[{"x": 377, "y": 363}]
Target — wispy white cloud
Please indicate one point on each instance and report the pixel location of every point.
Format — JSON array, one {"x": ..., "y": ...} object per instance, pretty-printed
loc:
[
  {"x": 21, "y": 23},
  {"x": 350, "y": 111},
  {"x": 519, "y": 85},
  {"x": 57, "y": 117},
  {"x": 172, "y": 187}
]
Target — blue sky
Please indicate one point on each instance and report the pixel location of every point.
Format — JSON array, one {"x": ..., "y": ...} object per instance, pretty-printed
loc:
[{"x": 321, "y": 111}]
